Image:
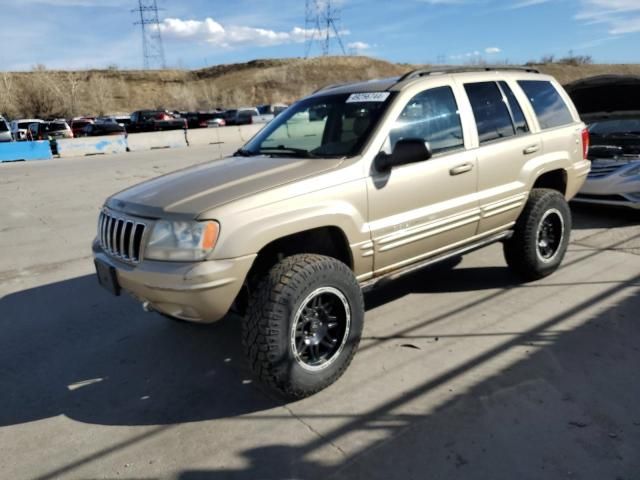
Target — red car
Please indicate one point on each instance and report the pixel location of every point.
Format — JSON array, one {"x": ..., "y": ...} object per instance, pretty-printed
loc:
[{"x": 78, "y": 125}]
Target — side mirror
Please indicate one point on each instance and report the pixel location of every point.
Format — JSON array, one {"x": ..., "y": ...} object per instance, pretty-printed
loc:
[{"x": 407, "y": 150}]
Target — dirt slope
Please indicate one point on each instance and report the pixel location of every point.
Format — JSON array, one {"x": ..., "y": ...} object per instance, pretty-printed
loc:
[{"x": 46, "y": 93}]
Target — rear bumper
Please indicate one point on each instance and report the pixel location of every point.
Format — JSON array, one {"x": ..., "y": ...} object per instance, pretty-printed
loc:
[
  {"x": 578, "y": 178},
  {"x": 200, "y": 292}
]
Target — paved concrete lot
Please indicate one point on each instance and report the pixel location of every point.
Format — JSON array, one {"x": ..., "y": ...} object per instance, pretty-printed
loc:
[{"x": 462, "y": 373}]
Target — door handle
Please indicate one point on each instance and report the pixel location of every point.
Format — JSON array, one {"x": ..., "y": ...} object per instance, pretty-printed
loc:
[
  {"x": 531, "y": 149},
  {"x": 465, "y": 167}
]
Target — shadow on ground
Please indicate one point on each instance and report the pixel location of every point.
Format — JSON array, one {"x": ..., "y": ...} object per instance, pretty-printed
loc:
[
  {"x": 569, "y": 410},
  {"x": 602, "y": 216},
  {"x": 70, "y": 348}
]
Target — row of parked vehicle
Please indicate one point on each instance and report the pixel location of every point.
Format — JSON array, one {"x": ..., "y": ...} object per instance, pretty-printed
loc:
[{"x": 138, "y": 121}]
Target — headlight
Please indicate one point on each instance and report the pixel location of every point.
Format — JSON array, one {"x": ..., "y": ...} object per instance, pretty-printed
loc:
[
  {"x": 633, "y": 171},
  {"x": 181, "y": 241}
]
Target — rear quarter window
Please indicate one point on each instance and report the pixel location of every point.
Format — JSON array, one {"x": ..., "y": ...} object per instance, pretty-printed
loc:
[{"x": 549, "y": 106}]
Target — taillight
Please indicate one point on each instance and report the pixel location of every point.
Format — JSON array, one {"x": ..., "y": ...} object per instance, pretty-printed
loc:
[{"x": 585, "y": 143}]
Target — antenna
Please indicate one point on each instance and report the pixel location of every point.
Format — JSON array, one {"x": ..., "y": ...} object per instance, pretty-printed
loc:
[
  {"x": 321, "y": 26},
  {"x": 152, "y": 48}
]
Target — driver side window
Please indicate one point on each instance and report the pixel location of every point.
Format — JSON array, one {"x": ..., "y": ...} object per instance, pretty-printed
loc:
[{"x": 432, "y": 116}]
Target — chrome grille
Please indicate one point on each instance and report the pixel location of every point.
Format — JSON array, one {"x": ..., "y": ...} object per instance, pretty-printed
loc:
[
  {"x": 120, "y": 236},
  {"x": 599, "y": 170}
]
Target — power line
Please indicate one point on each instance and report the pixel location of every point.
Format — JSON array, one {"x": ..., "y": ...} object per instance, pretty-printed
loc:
[
  {"x": 321, "y": 26},
  {"x": 152, "y": 47}
]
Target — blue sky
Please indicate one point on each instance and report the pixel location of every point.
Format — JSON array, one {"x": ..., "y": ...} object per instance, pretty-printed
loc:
[{"x": 77, "y": 34}]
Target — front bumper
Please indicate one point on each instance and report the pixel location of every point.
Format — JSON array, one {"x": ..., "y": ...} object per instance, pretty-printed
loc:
[
  {"x": 611, "y": 187},
  {"x": 200, "y": 292}
]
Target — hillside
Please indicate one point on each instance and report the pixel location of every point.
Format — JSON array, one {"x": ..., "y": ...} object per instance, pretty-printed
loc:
[{"x": 44, "y": 93}]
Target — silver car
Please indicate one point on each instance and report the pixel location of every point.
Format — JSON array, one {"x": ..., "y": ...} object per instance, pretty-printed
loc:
[
  {"x": 610, "y": 105},
  {"x": 5, "y": 131}
]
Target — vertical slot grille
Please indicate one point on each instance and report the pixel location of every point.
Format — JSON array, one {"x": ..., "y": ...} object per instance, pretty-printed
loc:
[{"x": 121, "y": 237}]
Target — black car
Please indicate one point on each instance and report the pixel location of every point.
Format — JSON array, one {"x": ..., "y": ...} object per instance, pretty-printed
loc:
[{"x": 99, "y": 129}]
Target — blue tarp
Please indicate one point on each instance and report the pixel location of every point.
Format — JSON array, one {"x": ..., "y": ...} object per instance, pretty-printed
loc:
[{"x": 15, "y": 151}]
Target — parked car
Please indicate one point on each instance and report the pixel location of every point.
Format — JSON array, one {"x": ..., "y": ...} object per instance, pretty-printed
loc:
[
  {"x": 78, "y": 125},
  {"x": 230, "y": 116},
  {"x": 273, "y": 109},
  {"x": 154, "y": 120},
  {"x": 5, "y": 131},
  {"x": 249, "y": 115},
  {"x": 216, "y": 120},
  {"x": 20, "y": 128},
  {"x": 401, "y": 173},
  {"x": 102, "y": 128},
  {"x": 201, "y": 119},
  {"x": 52, "y": 130},
  {"x": 610, "y": 105}
]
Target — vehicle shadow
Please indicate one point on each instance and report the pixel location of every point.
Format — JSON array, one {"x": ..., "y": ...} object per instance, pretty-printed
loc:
[
  {"x": 70, "y": 348},
  {"x": 602, "y": 216},
  {"x": 567, "y": 410}
]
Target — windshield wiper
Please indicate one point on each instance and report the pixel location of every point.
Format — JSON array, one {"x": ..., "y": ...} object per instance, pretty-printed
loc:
[
  {"x": 244, "y": 153},
  {"x": 288, "y": 150}
]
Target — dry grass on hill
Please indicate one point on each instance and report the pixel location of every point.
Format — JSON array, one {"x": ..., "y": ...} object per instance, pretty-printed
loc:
[{"x": 44, "y": 93}]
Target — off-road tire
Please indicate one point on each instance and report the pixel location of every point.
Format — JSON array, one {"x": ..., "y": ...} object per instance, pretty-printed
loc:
[
  {"x": 270, "y": 318},
  {"x": 521, "y": 251}
]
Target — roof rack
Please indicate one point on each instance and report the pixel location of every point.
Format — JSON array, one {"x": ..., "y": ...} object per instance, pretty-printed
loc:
[
  {"x": 423, "y": 72},
  {"x": 331, "y": 87}
]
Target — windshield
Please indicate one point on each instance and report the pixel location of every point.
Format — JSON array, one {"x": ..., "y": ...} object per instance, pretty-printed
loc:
[
  {"x": 619, "y": 126},
  {"x": 326, "y": 126}
]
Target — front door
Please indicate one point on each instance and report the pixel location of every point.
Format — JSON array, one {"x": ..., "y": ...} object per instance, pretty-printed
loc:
[{"x": 417, "y": 210}]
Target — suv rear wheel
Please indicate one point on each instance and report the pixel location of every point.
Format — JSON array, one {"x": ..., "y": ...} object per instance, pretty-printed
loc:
[
  {"x": 541, "y": 235},
  {"x": 303, "y": 324}
]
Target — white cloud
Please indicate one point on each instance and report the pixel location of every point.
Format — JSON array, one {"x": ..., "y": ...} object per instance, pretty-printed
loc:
[
  {"x": 358, "y": 46},
  {"x": 526, "y": 3},
  {"x": 214, "y": 33},
  {"x": 476, "y": 54},
  {"x": 620, "y": 16}
]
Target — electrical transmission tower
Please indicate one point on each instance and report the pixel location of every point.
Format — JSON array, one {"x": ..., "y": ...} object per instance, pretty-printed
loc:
[
  {"x": 152, "y": 48},
  {"x": 321, "y": 25}
]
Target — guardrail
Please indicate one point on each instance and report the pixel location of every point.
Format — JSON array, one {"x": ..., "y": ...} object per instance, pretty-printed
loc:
[
  {"x": 74, "y": 147},
  {"x": 225, "y": 140},
  {"x": 155, "y": 140},
  {"x": 25, "y": 151}
]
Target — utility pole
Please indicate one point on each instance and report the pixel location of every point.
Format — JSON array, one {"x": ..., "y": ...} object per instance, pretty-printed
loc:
[
  {"x": 152, "y": 48},
  {"x": 321, "y": 25}
]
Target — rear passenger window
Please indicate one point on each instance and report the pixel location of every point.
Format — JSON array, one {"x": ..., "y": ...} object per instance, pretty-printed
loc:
[
  {"x": 490, "y": 111},
  {"x": 514, "y": 107},
  {"x": 431, "y": 115},
  {"x": 547, "y": 103}
]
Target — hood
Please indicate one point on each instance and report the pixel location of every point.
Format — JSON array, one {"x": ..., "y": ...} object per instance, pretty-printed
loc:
[
  {"x": 606, "y": 96},
  {"x": 188, "y": 192}
]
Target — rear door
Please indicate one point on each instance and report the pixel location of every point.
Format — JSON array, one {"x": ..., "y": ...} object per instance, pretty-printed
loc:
[{"x": 505, "y": 145}]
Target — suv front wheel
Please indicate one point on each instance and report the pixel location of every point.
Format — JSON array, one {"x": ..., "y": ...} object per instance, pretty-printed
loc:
[
  {"x": 303, "y": 324},
  {"x": 541, "y": 235}
]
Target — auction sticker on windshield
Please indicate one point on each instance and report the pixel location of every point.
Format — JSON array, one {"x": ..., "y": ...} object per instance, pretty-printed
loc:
[{"x": 368, "y": 97}]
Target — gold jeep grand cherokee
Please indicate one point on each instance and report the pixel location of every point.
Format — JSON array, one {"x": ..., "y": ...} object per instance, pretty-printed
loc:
[{"x": 352, "y": 185}]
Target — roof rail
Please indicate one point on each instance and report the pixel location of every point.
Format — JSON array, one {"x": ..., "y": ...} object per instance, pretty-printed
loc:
[
  {"x": 423, "y": 72},
  {"x": 331, "y": 87}
]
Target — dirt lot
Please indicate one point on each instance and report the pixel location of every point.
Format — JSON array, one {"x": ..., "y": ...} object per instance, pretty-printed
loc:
[{"x": 462, "y": 373}]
